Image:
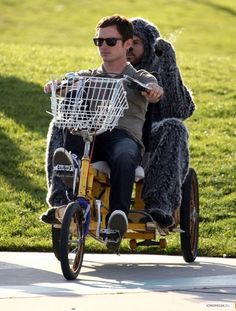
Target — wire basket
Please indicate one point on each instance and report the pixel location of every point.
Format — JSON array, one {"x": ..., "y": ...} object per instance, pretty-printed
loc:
[{"x": 94, "y": 104}]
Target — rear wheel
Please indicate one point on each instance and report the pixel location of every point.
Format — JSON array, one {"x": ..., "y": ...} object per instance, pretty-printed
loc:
[
  {"x": 72, "y": 241},
  {"x": 189, "y": 217}
]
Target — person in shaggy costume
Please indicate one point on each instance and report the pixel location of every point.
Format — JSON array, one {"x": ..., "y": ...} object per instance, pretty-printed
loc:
[{"x": 168, "y": 163}]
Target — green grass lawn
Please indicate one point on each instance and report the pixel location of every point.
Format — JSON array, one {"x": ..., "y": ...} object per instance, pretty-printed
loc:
[{"x": 39, "y": 39}]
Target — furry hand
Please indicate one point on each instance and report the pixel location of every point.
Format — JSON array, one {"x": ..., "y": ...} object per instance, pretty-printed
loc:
[{"x": 166, "y": 54}]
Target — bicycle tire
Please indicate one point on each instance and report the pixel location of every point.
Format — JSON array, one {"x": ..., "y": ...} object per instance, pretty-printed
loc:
[
  {"x": 72, "y": 241},
  {"x": 189, "y": 217}
]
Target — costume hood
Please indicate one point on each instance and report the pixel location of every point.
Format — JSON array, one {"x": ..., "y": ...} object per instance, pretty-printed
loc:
[{"x": 148, "y": 32}]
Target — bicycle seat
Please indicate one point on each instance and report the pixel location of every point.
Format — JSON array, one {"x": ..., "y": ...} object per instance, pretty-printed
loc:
[{"x": 103, "y": 167}]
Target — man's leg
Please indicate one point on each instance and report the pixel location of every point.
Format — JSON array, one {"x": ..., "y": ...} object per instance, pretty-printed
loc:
[
  {"x": 166, "y": 170},
  {"x": 123, "y": 156}
]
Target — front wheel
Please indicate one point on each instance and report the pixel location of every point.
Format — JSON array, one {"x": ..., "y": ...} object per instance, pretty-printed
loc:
[
  {"x": 72, "y": 241},
  {"x": 189, "y": 217}
]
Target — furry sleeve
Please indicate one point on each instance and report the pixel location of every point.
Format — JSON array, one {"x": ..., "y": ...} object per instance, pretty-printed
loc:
[{"x": 177, "y": 101}]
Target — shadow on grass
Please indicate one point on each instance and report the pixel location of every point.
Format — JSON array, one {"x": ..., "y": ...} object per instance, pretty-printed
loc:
[
  {"x": 25, "y": 103},
  {"x": 10, "y": 157}
]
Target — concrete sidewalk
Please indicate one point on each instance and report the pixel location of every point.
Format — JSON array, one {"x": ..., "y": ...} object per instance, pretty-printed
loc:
[{"x": 34, "y": 281}]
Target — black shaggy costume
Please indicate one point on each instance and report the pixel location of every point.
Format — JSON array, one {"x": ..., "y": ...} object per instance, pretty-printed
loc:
[{"x": 169, "y": 159}]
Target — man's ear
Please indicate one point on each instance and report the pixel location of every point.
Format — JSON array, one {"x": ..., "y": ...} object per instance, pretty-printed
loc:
[{"x": 128, "y": 44}]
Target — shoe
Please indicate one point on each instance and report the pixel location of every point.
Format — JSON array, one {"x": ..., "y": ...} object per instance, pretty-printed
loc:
[
  {"x": 49, "y": 217},
  {"x": 145, "y": 219},
  {"x": 164, "y": 220},
  {"x": 54, "y": 215},
  {"x": 117, "y": 221},
  {"x": 66, "y": 166}
]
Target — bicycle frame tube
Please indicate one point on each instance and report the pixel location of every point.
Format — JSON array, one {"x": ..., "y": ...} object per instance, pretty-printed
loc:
[
  {"x": 84, "y": 170},
  {"x": 85, "y": 205}
]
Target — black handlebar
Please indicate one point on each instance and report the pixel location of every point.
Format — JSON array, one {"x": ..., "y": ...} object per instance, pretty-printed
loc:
[{"x": 73, "y": 77}]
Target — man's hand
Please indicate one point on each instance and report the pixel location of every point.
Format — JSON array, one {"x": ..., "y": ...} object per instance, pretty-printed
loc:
[
  {"x": 155, "y": 94},
  {"x": 48, "y": 86}
]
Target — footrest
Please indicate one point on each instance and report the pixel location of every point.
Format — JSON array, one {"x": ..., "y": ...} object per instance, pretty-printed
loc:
[{"x": 148, "y": 243}]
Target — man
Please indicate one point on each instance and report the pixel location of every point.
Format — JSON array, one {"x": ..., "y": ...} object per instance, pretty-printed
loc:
[
  {"x": 169, "y": 160},
  {"x": 122, "y": 147}
]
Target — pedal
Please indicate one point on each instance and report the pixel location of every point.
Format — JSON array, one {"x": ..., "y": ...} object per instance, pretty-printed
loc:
[{"x": 110, "y": 235}]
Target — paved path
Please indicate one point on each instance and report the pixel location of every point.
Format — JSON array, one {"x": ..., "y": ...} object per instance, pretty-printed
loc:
[{"x": 34, "y": 281}]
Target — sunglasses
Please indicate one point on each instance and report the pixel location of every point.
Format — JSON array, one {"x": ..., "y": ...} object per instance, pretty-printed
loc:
[{"x": 109, "y": 41}]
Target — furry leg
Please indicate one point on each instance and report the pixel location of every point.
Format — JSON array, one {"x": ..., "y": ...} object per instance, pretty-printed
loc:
[
  {"x": 167, "y": 167},
  {"x": 56, "y": 195}
]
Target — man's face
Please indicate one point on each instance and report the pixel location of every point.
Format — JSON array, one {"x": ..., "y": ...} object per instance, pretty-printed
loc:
[
  {"x": 116, "y": 52},
  {"x": 136, "y": 54}
]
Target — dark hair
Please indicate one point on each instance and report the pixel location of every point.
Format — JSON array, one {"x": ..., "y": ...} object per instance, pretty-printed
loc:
[{"x": 123, "y": 25}]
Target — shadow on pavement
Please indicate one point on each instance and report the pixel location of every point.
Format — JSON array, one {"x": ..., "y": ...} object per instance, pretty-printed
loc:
[{"x": 104, "y": 277}]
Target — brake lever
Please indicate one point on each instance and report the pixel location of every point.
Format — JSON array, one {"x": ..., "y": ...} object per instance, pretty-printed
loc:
[{"x": 137, "y": 85}]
